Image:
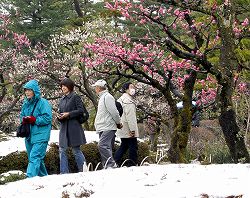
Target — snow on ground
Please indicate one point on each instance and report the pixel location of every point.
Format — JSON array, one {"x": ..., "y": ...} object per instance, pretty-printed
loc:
[
  {"x": 157, "y": 181},
  {"x": 152, "y": 181}
]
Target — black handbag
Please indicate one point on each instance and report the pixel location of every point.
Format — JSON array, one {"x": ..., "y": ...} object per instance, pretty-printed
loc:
[
  {"x": 84, "y": 116},
  {"x": 24, "y": 129}
]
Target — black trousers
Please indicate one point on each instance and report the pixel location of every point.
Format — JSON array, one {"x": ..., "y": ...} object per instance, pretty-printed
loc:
[{"x": 131, "y": 145}]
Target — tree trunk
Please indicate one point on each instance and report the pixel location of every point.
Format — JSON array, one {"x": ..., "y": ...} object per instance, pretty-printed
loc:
[
  {"x": 78, "y": 8},
  {"x": 234, "y": 140},
  {"x": 227, "y": 119},
  {"x": 179, "y": 138}
]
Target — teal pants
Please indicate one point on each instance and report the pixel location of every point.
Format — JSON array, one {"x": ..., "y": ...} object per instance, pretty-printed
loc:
[{"x": 36, "y": 154}]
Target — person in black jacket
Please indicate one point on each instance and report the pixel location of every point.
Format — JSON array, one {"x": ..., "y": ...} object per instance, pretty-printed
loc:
[{"x": 71, "y": 109}]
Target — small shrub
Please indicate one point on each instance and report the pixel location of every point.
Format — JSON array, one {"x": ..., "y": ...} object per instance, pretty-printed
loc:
[
  {"x": 91, "y": 153},
  {"x": 52, "y": 159},
  {"x": 219, "y": 153},
  {"x": 14, "y": 161},
  {"x": 143, "y": 151},
  {"x": 19, "y": 160},
  {"x": 11, "y": 178},
  {"x": 207, "y": 142}
]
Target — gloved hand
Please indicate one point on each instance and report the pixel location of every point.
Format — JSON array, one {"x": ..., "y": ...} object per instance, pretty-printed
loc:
[
  {"x": 29, "y": 119},
  {"x": 132, "y": 133},
  {"x": 119, "y": 126}
]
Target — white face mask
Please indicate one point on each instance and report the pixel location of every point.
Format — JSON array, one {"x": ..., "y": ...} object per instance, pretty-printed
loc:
[{"x": 132, "y": 92}]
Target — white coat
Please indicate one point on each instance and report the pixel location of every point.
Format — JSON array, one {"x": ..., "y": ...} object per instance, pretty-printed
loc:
[{"x": 128, "y": 118}]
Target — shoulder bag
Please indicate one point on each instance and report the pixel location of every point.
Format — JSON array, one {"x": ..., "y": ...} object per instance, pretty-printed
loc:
[{"x": 24, "y": 129}]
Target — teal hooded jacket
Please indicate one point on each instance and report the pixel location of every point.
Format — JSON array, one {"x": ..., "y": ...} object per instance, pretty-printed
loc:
[{"x": 40, "y": 131}]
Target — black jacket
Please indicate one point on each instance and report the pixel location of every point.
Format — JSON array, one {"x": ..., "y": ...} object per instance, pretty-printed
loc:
[{"x": 71, "y": 131}]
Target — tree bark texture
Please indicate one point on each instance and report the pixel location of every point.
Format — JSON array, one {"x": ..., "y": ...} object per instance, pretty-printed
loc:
[
  {"x": 227, "y": 118},
  {"x": 234, "y": 140},
  {"x": 78, "y": 8},
  {"x": 179, "y": 138}
]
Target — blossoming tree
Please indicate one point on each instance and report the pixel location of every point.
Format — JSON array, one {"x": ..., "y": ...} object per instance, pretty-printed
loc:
[
  {"x": 14, "y": 50},
  {"x": 188, "y": 38},
  {"x": 19, "y": 62},
  {"x": 62, "y": 58}
]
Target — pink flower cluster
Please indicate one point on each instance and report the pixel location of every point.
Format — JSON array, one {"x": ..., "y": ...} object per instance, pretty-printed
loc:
[
  {"x": 207, "y": 96},
  {"x": 122, "y": 6},
  {"x": 118, "y": 50},
  {"x": 21, "y": 40},
  {"x": 208, "y": 91},
  {"x": 245, "y": 23},
  {"x": 242, "y": 87},
  {"x": 240, "y": 28},
  {"x": 137, "y": 12}
]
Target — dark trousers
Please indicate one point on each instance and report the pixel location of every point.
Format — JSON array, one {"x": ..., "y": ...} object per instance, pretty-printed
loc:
[
  {"x": 127, "y": 144},
  {"x": 105, "y": 148}
]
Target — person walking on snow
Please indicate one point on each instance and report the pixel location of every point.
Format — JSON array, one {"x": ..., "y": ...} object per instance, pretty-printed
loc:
[
  {"x": 40, "y": 127},
  {"x": 107, "y": 121},
  {"x": 71, "y": 108},
  {"x": 129, "y": 132}
]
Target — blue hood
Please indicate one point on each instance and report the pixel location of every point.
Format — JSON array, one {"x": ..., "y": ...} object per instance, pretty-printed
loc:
[{"x": 33, "y": 85}]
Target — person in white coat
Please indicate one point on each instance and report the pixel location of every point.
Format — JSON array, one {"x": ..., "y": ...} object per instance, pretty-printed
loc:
[{"x": 129, "y": 132}]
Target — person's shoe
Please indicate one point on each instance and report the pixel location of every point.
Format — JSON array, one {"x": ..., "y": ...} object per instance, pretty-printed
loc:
[
  {"x": 111, "y": 167},
  {"x": 115, "y": 166}
]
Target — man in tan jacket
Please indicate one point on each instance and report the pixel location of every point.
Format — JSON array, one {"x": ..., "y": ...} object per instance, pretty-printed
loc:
[{"x": 129, "y": 132}]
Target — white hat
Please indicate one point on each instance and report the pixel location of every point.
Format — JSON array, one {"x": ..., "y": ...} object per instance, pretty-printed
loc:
[{"x": 100, "y": 83}]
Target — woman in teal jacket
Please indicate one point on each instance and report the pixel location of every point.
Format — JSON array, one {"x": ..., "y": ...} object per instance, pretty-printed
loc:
[{"x": 41, "y": 120}]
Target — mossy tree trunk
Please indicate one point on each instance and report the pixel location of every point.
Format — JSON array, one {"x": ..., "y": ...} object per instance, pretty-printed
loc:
[
  {"x": 227, "y": 118},
  {"x": 179, "y": 139},
  {"x": 156, "y": 137}
]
